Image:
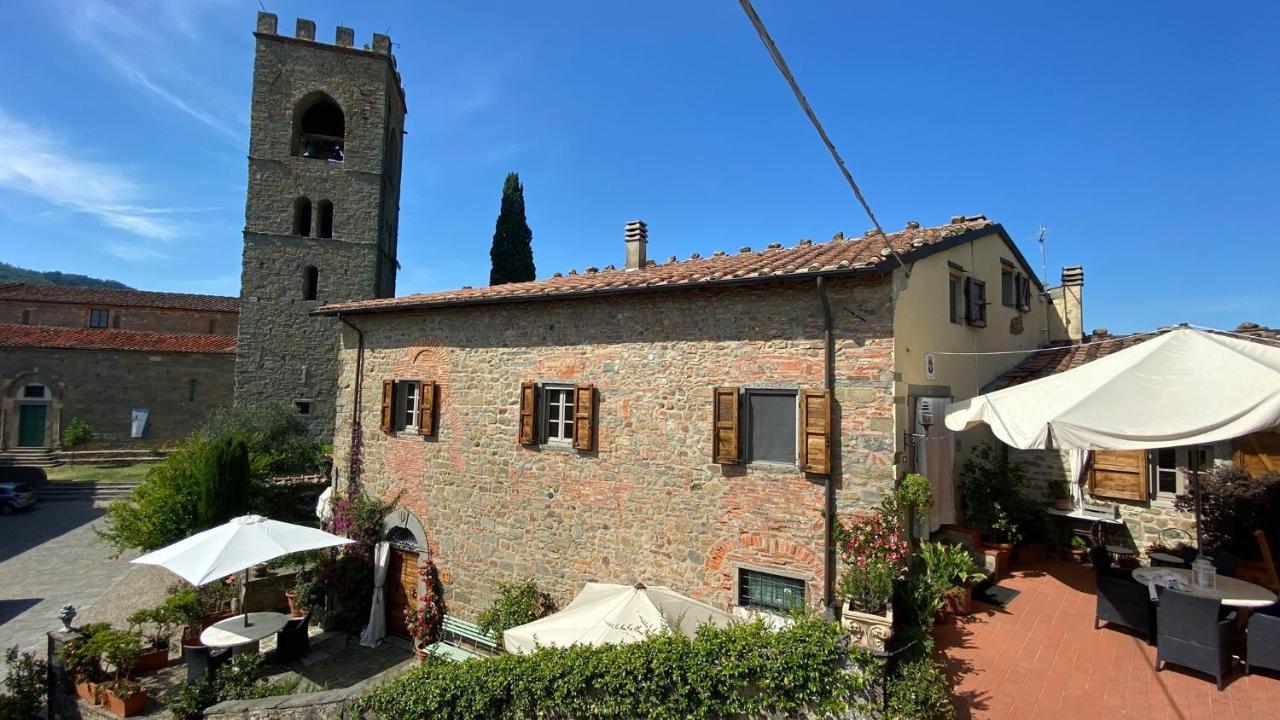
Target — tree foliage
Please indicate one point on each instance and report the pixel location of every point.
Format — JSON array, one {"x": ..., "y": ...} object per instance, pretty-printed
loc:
[
  {"x": 1234, "y": 504},
  {"x": 512, "y": 251},
  {"x": 741, "y": 671},
  {"x": 517, "y": 603}
]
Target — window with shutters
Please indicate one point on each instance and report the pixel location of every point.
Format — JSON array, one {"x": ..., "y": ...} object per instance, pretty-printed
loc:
[
  {"x": 557, "y": 414},
  {"x": 770, "y": 426},
  {"x": 408, "y": 404},
  {"x": 1008, "y": 285},
  {"x": 955, "y": 297},
  {"x": 1173, "y": 468},
  {"x": 975, "y": 295}
]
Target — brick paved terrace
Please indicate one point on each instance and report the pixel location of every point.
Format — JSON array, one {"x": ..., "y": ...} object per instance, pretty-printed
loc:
[{"x": 1039, "y": 657}]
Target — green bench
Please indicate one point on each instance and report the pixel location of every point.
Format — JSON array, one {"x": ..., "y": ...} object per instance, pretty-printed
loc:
[{"x": 469, "y": 636}]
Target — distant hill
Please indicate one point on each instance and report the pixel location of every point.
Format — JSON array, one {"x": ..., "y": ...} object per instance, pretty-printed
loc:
[{"x": 13, "y": 273}]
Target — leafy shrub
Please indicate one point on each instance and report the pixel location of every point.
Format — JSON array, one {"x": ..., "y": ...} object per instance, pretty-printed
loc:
[
  {"x": 920, "y": 690},
  {"x": 874, "y": 549},
  {"x": 991, "y": 499},
  {"x": 278, "y": 440},
  {"x": 23, "y": 695},
  {"x": 1234, "y": 504},
  {"x": 517, "y": 603},
  {"x": 744, "y": 670},
  {"x": 76, "y": 433},
  {"x": 239, "y": 679}
]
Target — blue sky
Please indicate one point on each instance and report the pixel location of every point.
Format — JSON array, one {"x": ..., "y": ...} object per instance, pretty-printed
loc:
[{"x": 1147, "y": 141}]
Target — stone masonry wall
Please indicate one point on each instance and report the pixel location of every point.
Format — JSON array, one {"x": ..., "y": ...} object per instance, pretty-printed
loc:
[
  {"x": 647, "y": 504},
  {"x": 285, "y": 355},
  {"x": 1143, "y": 521},
  {"x": 103, "y": 387},
  {"x": 121, "y": 318}
]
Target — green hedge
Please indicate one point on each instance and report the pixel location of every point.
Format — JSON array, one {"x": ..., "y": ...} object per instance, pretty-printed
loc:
[{"x": 745, "y": 670}]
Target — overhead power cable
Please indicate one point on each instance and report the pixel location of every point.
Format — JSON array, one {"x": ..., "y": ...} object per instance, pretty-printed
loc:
[{"x": 778, "y": 60}]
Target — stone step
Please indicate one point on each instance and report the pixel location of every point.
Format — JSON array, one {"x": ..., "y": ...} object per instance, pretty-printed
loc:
[{"x": 98, "y": 457}]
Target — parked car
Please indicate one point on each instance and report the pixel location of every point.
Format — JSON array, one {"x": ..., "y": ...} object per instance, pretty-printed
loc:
[{"x": 16, "y": 496}]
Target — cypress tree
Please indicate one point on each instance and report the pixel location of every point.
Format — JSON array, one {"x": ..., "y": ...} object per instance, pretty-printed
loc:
[
  {"x": 512, "y": 251},
  {"x": 224, "y": 482}
]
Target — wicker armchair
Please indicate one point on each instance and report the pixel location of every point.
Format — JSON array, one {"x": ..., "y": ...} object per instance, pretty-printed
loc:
[
  {"x": 1263, "y": 643},
  {"x": 1120, "y": 599},
  {"x": 293, "y": 642},
  {"x": 1192, "y": 635}
]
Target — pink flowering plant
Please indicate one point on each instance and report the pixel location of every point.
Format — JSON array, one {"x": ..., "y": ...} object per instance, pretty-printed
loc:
[
  {"x": 876, "y": 551},
  {"x": 425, "y": 621}
]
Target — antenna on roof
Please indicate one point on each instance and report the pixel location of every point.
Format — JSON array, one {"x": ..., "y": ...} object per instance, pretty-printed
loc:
[{"x": 1044, "y": 264}]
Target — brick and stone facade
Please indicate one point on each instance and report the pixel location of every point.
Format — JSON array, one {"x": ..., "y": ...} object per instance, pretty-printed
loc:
[
  {"x": 285, "y": 355},
  {"x": 647, "y": 503}
]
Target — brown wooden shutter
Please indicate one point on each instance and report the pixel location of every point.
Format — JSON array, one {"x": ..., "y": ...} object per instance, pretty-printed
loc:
[
  {"x": 815, "y": 431},
  {"x": 427, "y": 408},
  {"x": 976, "y": 301},
  {"x": 388, "y": 404},
  {"x": 1119, "y": 474},
  {"x": 725, "y": 430},
  {"x": 528, "y": 417},
  {"x": 584, "y": 417},
  {"x": 1258, "y": 454}
]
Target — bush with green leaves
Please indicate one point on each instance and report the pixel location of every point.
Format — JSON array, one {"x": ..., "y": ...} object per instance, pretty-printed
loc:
[
  {"x": 919, "y": 690},
  {"x": 76, "y": 433},
  {"x": 1234, "y": 504},
  {"x": 992, "y": 499},
  {"x": 24, "y": 689},
  {"x": 240, "y": 679},
  {"x": 741, "y": 671},
  {"x": 517, "y": 603},
  {"x": 166, "y": 506}
]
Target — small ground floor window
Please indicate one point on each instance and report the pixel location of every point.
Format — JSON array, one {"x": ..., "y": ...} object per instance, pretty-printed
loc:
[{"x": 767, "y": 591}]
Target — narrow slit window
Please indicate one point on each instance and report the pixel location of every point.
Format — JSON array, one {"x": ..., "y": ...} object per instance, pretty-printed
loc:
[
  {"x": 192, "y": 386},
  {"x": 310, "y": 282},
  {"x": 326, "y": 219},
  {"x": 302, "y": 217}
]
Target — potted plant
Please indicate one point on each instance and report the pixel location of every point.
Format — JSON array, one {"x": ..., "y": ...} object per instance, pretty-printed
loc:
[
  {"x": 306, "y": 589},
  {"x": 119, "y": 651},
  {"x": 425, "y": 621},
  {"x": 874, "y": 549},
  {"x": 81, "y": 659},
  {"x": 951, "y": 570},
  {"x": 1061, "y": 492},
  {"x": 216, "y": 600},
  {"x": 1079, "y": 549},
  {"x": 154, "y": 626},
  {"x": 1001, "y": 535}
]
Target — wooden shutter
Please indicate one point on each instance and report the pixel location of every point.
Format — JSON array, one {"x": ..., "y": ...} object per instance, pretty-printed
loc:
[
  {"x": 584, "y": 417},
  {"x": 1119, "y": 474},
  {"x": 388, "y": 404},
  {"x": 725, "y": 431},
  {"x": 427, "y": 408},
  {"x": 975, "y": 294},
  {"x": 1259, "y": 453},
  {"x": 528, "y": 416},
  {"x": 815, "y": 431}
]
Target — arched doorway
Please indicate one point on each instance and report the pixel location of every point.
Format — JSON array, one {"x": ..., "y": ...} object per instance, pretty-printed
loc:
[{"x": 408, "y": 542}]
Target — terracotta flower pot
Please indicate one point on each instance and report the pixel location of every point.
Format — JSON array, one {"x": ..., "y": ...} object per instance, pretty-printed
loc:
[
  {"x": 87, "y": 691},
  {"x": 296, "y": 609},
  {"x": 1062, "y": 503},
  {"x": 152, "y": 660},
  {"x": 867, "y": 630},
  {"x": 1078, "y": 554},
  {"x": 1001, "y": 553},
  {"x": 126, "y": 706},
  {"x": 958, "y": 601}
]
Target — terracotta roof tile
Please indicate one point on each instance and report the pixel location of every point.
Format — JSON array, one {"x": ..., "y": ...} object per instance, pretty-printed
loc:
[
  {"x": 41, "y": 336},
  {"x": 117, "y": 298},
  {"x": 807, "y": 258}
]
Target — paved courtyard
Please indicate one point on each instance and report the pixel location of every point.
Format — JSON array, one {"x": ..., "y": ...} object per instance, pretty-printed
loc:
[
  {"x": 1041, "y": 658},
  {"x": 50, "y": 556}
]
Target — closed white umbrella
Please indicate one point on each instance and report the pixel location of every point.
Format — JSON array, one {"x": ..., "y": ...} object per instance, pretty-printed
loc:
[
  {"x": 604, "y": 614},
  {"x": 1183, "y": 387}
]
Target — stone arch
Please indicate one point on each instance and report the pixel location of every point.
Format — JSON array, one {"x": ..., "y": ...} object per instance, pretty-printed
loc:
[
  {"x": 319, "y": 127},
  {"x": 12, "y": 398},
  {"x": 402, "y": 527}
]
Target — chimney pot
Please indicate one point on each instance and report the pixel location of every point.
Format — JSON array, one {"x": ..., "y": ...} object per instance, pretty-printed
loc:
[
  {"x": 381, "y": 44},
  {"x": 305, "y": 29},
  {"x": 267, "y": 23},
  {"x": 1072, "y": 275},
  {"x": 636, "y": 236},
  {"x": 344, "y": 37},
  {"x": 775, "y": 246},
  {"x": 1101, "y": 333},
  {"x": 957, "y": 219}
]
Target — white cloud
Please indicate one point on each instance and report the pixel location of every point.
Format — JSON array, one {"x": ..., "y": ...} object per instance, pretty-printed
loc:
[
  {"x": 135, "y": 253},
  {"x": 148, "y": 57},
  {"x": 38, "y": 164}
]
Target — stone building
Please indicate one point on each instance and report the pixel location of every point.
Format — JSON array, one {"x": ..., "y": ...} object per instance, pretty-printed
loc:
[
  {"x": 325, "y": 140},
  {"x": 689, "y": 423},
  {"x": 101, "y": 355},
  {"x": 1131, "y": 491}
]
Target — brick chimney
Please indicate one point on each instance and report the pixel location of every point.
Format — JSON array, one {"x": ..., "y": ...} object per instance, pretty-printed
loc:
[{"x": 637, "y": 237}]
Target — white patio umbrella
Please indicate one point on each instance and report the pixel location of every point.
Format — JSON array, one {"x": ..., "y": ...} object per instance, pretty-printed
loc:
[
  {"x": 237, "y": 545},
  {"x": 605, "y": 613},
  {"x": 1183, "y": 387}
]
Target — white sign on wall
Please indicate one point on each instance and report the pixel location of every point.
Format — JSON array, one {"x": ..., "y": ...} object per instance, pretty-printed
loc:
[
  {"x": 930, "y": 369},
  {"x": 138, "y": 422}
]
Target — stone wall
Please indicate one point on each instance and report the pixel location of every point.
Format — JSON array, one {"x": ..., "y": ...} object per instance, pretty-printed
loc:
[
  {"x": 285, "y": 355},
  {"x": 22, "y": 312},
  {"x": 647, "y": 504},
  {"x": 1143, "y": 521},
  {"x": 103, "y": 387}
]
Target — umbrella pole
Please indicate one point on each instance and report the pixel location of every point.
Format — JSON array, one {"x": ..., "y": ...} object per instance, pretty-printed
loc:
[
  {"x": 1195, "y": 481},
  {"x": 244, "y": 590}
]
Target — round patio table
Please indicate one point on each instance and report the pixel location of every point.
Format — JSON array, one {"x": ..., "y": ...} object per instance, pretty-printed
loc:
[
  {"x": 1231, "y": 591},
  {"x": 233, "y": 632}
]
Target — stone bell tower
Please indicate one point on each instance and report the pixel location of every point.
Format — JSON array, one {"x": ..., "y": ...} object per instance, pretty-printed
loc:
[{"x": 325, "y": 146}]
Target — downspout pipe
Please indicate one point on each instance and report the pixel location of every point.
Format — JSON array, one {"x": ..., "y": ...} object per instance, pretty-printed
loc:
[
  {"x": 353, "y": 455},
  {"x": 829, "y": 384}
]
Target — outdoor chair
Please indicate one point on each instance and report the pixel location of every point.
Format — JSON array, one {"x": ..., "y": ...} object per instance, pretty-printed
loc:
[
  {"x": 293, "y": 642},
  {"x": 1262, "y": 645},
  {"x": 1224, "y": 562},
  {"x": 1191, "y": 634},
  {"x": 203, "y": 660},
  {"x": 1120, "y": 599}
]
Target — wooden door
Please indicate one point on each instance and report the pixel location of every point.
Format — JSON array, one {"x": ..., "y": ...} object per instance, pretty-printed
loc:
[
  {"x": 401, "y": 588},
  {"x": 31, "y": 420}
]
